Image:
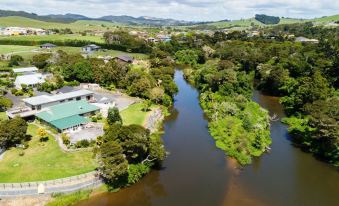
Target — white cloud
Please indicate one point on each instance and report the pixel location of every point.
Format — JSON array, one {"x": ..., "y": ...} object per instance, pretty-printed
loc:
[{"x": 179, "y": 9}]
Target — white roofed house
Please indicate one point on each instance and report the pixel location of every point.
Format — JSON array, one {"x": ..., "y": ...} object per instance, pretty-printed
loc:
[
  {"x": 30, "y": 80},
  {"x": 26, "y": 70},
  {"x": 90, "y": 48}
]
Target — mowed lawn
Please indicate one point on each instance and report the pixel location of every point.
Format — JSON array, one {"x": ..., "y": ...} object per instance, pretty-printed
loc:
[
  {"x": 53, "y": 37},
  {"x": 5, "y": 49},
  {"x": 43, "y": 161},
  {"x": 134, "y": 115}
]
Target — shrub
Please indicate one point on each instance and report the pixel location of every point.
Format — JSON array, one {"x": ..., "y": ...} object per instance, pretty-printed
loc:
[
  {"x": 83, "y": 144},
  {"x": 65, "y": 139}
]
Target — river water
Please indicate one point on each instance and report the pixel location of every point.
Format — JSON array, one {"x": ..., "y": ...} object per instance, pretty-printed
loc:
[{"x": 196, "y": 173}]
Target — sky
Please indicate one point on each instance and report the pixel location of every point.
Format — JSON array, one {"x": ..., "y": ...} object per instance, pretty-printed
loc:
[{"x": 191, "y": 10}]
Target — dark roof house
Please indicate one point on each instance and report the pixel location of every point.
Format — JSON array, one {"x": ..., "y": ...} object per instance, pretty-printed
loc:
[
  {"x": 90, "y": 48},
  {"x": 126, "y": 59},
  {"x": 47, "y": 46}
]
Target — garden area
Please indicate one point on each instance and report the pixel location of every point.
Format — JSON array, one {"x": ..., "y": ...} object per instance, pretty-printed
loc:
[
  {"x": 43, "y": 160},
  {"x": 134, "y": 114}
]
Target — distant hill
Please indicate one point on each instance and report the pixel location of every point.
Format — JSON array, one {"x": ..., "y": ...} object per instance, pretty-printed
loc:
[
  {"x": 265, "y": 19},
  {"x": 69, "y": 18},
  {"x": 246, "y": 23}
]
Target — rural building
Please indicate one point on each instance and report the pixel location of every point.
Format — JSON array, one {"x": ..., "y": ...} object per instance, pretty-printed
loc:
[
  {"x": 47, "y": 46},
  {"x": 45, "y": 101},
  {"x": 26, "y": 70},
  {"x": 124, "y": 59},
  {"x": 69, "y": 116},
  {"x": 31, "y": 80},
  {"x": 306, "y": 40},
  {"x": 90, "y": 48}
]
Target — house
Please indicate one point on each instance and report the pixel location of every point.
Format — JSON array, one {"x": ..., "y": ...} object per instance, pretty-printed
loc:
[
  {"x": 306, "y": 40},
  {"x": 31, "y": 80},
  {"x": 90, "y": 48},
  {"x": 124, "y": 59},
  {"x": 69, "y": 116},
  {"x": 47, "y": 46},
  {"x": 45, "y": 101},
  {"x": 25, "y": 70}
]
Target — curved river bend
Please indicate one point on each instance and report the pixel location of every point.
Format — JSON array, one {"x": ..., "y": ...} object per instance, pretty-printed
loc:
[{"x": 196, "y": 173}]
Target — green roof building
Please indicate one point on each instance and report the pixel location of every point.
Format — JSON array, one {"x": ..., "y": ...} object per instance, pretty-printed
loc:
[{"x": 67, "y": 116}]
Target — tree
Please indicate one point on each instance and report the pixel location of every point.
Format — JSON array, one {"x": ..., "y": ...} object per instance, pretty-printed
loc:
[
  {"x": 113, "y": 163},
  {"x": 5, "y": 103},
  {"x": 42, "y": 134},
  {"x": 15, "y": 60},
  {"x": 113, "y": 116},
  {"x": 146, "y": 105},
  {"x": 12, "y": 131},
  {"x": 41, "y": 60},
  {"x": 156, "y": 94}
]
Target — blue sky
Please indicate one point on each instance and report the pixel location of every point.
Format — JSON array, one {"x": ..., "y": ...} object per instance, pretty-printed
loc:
[{"x": 197, "y": 10}]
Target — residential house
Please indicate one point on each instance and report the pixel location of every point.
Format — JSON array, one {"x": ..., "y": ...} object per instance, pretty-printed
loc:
[
  {"x": 306, "y": 40},
  {"x": 45, "y": 101},
  {"x": 31, "y": 80},
  {"x": 25, "y": 70},
  {"x": 90, "y": 48},
  {"x": 47, "y": 46},
  {"x": 69, "y": 116},
  {"x": 124, "y": 59}
]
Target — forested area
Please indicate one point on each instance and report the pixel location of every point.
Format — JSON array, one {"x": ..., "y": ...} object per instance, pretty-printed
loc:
[
  {"x": 304, "y": 75},
  {"x": 154, "y": 83}
]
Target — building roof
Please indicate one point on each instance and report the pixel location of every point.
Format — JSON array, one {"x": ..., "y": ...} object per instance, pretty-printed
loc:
[
  {"x": 44, "y": 99},
  {"x": 48, "y": 45},
  {"x": 29, "y": 79},
  {"x": 125, "y": 58},
  {"x": 68, "y": 122},
  {"x": 26, "y": 69},
  {"x": 66, "y": 110}
]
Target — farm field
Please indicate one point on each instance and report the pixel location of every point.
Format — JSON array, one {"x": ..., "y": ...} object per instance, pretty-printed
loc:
[
  {"x": 43, "y": 161},
  {"x": 54, "y": 37},
  {"x": 77, "y": 26}
]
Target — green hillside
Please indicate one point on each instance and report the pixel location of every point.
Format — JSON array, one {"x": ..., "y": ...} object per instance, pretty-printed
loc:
[
  {"x": 244, "y": 23},
  {"x": 77, "y": 26}
]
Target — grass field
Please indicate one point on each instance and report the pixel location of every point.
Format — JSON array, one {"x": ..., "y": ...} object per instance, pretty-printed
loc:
[
  {"x": 77, "y": 26},
  {"x": 244, "y": 23},
  {"x": 53, "y": 37},
  {"x": 43, "y": 161},
  {"x": 134, "y": 115},
  {"x": 3, "y": 116}
]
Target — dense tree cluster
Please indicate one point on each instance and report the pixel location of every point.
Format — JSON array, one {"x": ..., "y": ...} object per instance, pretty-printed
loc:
[
  {"x": 265, "y": 19},
  {"x": 12, "y": 131},
  {"x": 126, "y": 153}
]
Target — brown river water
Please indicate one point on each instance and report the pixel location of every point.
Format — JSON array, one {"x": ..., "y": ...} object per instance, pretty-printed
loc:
[{"x": 196, "y": 173}]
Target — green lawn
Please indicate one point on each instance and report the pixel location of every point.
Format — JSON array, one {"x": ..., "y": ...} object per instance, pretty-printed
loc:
[
  {"x": 43, "y": 161},
  {"x": 3, "y": 116},
  {"x": 53, "y": 37},
  {"x": 134, "y": 115},
  {"x": 76, "y": 26},
  {"x": 5, "y": 49}
]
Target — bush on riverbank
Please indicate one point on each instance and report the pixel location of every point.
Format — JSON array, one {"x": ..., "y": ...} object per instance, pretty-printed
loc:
[{"x": 69, "y": 199}]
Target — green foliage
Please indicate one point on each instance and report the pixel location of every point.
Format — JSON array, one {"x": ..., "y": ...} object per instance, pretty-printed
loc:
[
  {"x": 136, "y": 172},
  {"x": 69, "y": 199},
  {"x": 267, "y": 19},
  {"x": 15, "y": 60},
  {"x": 41, "y": 60},
  {"x": 65, "y": 139},
  {"x": 12, "y": 131},
  {"x": 5, "y": 103},
  {"x": 113, "y": 116},
  {"x": 188, "y": 56}
]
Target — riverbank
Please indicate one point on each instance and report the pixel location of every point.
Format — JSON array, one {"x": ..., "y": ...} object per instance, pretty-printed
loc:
[{"x": 285, "y": 176}]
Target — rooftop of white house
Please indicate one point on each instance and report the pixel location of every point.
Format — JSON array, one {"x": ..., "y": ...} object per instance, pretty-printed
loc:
[
  {"x": 45, "y": 99},
  {"x": 26, "y": 69},
  {"x": 30, "y": 79}
]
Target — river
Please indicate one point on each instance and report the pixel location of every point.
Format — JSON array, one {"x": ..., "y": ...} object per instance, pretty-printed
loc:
[{"x": 196, "y": 173}]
